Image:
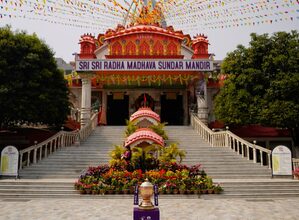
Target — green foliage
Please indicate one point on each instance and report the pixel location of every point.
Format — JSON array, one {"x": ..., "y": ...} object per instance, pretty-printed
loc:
[
  {"x": 160, "y": 130},
  {"x": 130, "y": 129},
  {"x": 263, "y": 83},
  {"x": 145, "y": 158},
  {"x": 116, "y": 156},
  {"x": 171, "y": 153},
  {"x": 32, "y": 89}
]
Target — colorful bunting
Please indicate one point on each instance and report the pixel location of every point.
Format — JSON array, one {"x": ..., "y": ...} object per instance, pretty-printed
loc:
[{"x": 186, "y": 15}]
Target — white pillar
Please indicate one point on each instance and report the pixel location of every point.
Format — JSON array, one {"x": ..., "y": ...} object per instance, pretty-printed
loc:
[
  {"x": 86, "y": 101},
  {"x": 202, "y": 105}
]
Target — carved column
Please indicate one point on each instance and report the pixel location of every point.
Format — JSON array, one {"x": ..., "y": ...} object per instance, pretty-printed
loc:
[
  {"x": 202, "y": 101},
  {"x": 86, "y": 101}
]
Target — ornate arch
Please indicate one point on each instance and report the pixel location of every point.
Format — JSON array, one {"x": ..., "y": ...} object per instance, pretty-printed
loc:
[
  {"x": 172, "y": 48},
  {"x": 131, "y": 48},
  {"x": 116, "y": 49},
  {"x": 144, "y": 48},
  {"x": 158, "y": 49}
]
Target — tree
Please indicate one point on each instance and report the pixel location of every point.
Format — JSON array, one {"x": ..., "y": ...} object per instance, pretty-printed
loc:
[
  {"x": 263, "y": 83},
  {"x": 32, "y": 88}
]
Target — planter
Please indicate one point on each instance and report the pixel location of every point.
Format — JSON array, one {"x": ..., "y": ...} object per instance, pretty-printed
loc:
[
  {"x": 110, "y": 191},
  {"x": 88, "y": 191},
  {"x": 204, "y": 191},
  {"x": 182, "y": 191},
  {"x": 94, "y": 192},
  {"x": 210, "y": 191},
  {"x": 169, "y": 191},
  {"x": 175, "y": 191},
  {"x": 126, "y": 191},
  {"x": 82, "y": 191}
]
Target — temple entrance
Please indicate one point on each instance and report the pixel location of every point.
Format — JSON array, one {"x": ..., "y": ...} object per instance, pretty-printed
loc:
[
  {"x": 172, "y": 109},
  {"x": 117, "y": 109},
  {"x": 145, "y": 100}
]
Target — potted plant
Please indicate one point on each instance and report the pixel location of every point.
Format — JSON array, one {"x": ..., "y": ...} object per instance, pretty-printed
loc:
[
  {"x": 94, "y": 189},
  {"x": 182, "y": 189},
  {"x": 217, "y": 189}
]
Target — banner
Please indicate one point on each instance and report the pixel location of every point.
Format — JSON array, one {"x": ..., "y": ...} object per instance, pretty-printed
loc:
[{"x": 144, "y": 65}]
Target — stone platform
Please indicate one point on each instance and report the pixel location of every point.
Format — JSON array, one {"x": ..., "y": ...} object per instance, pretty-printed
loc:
[{"x": 170, "y": 209}]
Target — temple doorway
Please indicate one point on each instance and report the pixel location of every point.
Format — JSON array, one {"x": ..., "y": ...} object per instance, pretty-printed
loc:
[
  {"x": 117, "y": 109},
  {"x": 145, "y": 100},
  {"x": 172, "y": 109}
]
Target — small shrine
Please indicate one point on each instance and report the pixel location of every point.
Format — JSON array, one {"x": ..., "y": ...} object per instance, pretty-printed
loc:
[{"x": 143, "y": 119}]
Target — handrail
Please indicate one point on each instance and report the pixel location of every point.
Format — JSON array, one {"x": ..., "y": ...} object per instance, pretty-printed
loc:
[
  {"x": 228, "y": 139},
  {"x": 35, "y": 153}
]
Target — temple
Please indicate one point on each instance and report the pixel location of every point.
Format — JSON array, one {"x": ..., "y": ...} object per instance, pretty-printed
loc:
[{"x": 143, "y": 64}]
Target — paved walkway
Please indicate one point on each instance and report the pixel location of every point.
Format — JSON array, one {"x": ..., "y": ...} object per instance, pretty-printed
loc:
[{"x": 171, "y": 209}]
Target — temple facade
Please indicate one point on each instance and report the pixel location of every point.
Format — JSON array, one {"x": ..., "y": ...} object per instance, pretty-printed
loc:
[{"x": 143, "y": 65}]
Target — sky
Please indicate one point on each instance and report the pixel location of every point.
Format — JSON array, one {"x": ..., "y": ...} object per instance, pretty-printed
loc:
[{"x": 63, "y": 39}]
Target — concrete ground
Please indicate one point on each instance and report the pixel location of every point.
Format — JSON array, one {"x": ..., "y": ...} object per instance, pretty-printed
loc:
[{"x": 170, "y": 209}]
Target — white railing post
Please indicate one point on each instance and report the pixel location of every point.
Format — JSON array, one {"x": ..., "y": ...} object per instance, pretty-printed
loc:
[
  {"x": 254, "y": 155},
  {"x": 261, "y": 158},
  {"x": 28, "y": 158},
  {"x": 21, "y": 161},
  {"x": 247, "y": 151},
  {"x": 34, "y": 155}
]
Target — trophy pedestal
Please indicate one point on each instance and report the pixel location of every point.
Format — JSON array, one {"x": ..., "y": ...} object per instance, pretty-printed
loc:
[{"x": 143, "y": 214}]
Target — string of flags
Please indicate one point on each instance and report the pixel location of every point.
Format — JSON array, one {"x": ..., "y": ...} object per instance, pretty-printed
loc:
[{"x": 186, "y": 15}]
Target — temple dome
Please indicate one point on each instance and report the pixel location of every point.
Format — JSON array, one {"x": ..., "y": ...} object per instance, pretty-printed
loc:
[
  {"x": 144, "y": 135},
  {"x": 147, "y": 114}
]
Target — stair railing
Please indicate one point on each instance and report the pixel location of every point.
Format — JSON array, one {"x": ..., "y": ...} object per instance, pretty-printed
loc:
[
  {"x": 35, "y": 153},
  {"x": 228, "y": 139}
]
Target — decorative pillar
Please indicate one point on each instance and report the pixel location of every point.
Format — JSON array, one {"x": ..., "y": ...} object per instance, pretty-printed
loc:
[
  {"x": 103, "y": 119},
  {"x": 86, "y": 101},
  {"x": 202, "y": 101}
]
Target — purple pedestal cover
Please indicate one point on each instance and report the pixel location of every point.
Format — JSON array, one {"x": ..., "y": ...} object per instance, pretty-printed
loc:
[{"x": 140, "y": 214}]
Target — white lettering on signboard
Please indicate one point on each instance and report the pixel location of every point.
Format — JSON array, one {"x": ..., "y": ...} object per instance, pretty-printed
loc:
[
  {"x": 9, "y": 161},
  {"x": 281, "y": 161},
  {"x": 141, "y": 65}
]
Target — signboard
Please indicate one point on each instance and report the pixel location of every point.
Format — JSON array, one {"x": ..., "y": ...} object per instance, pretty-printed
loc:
[
  {"x": 9, "y": 161},
  {"x": 144, "y": 65},
  {"x": 281, "y": 161}
]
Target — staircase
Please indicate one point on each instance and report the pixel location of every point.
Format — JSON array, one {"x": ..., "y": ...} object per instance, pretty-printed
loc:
[
  {"x": 69, "y": 162},
  {"x": 239, "y": 177},
  {"x": 218, "y": 162},
  {"x": 53, "y": 177}
]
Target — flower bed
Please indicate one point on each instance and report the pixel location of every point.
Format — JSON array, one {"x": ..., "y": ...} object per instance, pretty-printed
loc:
[{"x": 170, "y": 177}]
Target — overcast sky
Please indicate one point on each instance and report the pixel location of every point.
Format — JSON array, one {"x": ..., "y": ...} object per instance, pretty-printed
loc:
[{"x": 64, "y": 39}]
